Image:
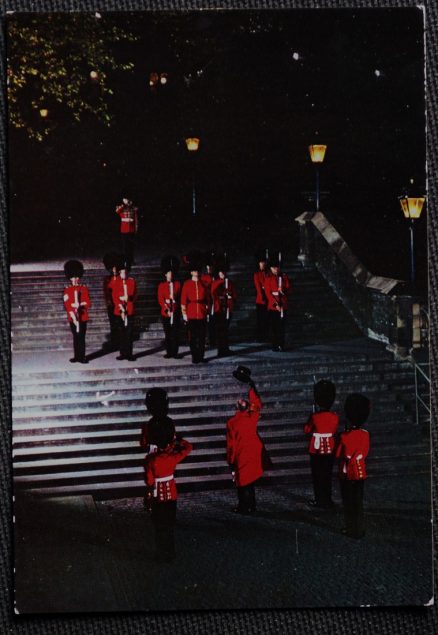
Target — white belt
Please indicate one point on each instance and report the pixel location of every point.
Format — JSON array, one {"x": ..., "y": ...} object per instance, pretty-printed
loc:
[
  {"x": 318, "y": 436},
  {"x": 127, "y": 220},
  {"x": 162, "y": 479}
]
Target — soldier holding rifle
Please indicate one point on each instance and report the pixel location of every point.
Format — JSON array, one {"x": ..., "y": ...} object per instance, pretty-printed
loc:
[
  {"x": 169, "y": 300},
  {"x": 223, "y": 297},
  {"x": 261, "y": 301},
  {"x": 124, "y": 293},
  {"x": 76, "y": 303},
  {"x": 195, "y": 305},
  {"x": 277, "y": 287}
]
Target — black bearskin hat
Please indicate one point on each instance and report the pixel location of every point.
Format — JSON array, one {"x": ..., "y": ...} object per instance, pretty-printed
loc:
[
  {"x": 221, "y": 263},
  {"x": 357, "y": 408},
  {"x": 122, "y": 262},
  {"x": 110, "y": 260},
  {"x": 208, "y": 258},
  {"x": 275, "y": 258},
  {"x": 324, "y": 392},
  {"x": 73, "y": 269},
  {"x": 161, "y": 431},
  {"x": 170, "y": 263},
  {"x": 243, "y": 374},
  {"x": 193, "y": 261},
  {"x": 157, "y": 402}
]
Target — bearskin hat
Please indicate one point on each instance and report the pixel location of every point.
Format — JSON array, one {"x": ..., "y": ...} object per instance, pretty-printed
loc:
[
  {"x": 357, "y": 409},
  {"x": 170, "y": 263},
  {"x": 243, "y": 374},
  {"x": 275, "y": 258},
  {"x": 73, "y": 269},
  {"x": 109, "y": 260},
  {"x": 157, "y": 402},
  {"x": 161, "y": 431},
  {"x": 122, "y": 262},
  {"x": 221, "y": 263},
  {"x": 193, "y": 261},
  {"x": 324, "y": 392},
  {"x": 261, "y": 255}
]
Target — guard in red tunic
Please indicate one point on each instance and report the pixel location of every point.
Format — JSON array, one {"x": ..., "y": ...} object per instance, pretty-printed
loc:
[
  {"x": 260, "y": 275},
  {"x": 195, "y": 305},
  {"x": 124, "y": 292},
  {"x": 169, "y": 293},
  {"x": 277, "y": 287},
  {"x": 352, "y": 451},
  {"x": 161, "y": 489},
  {"x": 110, "y": 261},
  {"x": 322, "y": 425},
  {"x": 77, "y": 302},
  {"x": 207, "y": 279},
  {"x": 128, "y": 214},
  {"x": 246, "y": 453},
  {"x": 223, "y": 296}
]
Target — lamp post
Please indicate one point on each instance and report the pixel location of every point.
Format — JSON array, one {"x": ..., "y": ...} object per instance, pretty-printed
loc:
[
  {"x": 412, "y": 207},
  {"x": 317, "y": 154},
  {"x": 192, "y": 144}
]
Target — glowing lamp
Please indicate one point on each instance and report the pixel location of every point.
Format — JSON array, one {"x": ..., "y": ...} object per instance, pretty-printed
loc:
[
  {"x": 94, "y": 75},
  {"x": 44, "y": 113},
  {"x": 412, "y": 206},
  {"x": 317, "y": 153},
  {"x": 192, "y": 144},
  {"x": 153, "y": 79},
  {"x": 163, "y": 78}
]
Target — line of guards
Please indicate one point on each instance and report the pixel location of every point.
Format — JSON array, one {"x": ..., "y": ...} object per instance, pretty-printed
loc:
[
  {"x": 248, "y": 458},
  {"x": 205, "y": 302}
]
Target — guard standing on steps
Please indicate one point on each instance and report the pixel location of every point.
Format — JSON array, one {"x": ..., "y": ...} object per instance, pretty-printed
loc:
[
  {"x": 195, "y": 305},
  {"x": 277, "y": 287},
  {"x": 161, "y": 489},
  {"x": 124, "y": 292},
  {"x": 207, "y": 279},
  {"x": 352, "y": 451},
  {"x": 246, "y": 453},
  {"x": 128, "y": 214},
  {"x": 77, "y": 302},
  {"x": 260, "y": 275},
  {"x": 110, "y": 261},
  {"x": 322, "y": 425},
  {"x": 169, "y": 293},
  {"x": 223, "y": 296}
]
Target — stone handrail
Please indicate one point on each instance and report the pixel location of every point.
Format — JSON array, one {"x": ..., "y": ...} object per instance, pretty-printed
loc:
[{"x": 380, "y": 312}]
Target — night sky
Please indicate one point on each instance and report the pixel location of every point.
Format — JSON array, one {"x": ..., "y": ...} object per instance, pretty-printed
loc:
[{"x": 234, "y": 82}]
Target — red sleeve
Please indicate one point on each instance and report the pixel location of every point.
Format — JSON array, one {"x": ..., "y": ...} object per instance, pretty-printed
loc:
[
  {"x": 119, "y": 209},
  {"x": 286, "y": 284},
  {"x": 231, "y": 447},
  {"x": 185, "y": 449},
  {"x": 67, "y": 300},
  {"x": 150, "y": 477},
  {"x": 257, "y": 284},
  {"x": 254, "y": 400},
  {"x": 184, "y": 295},
  {"x": 85, "y": 297},
  {"x": 308, "y": 426},
  {"x": 144, "y": 440},
  {"x": 364, "y": 446}
]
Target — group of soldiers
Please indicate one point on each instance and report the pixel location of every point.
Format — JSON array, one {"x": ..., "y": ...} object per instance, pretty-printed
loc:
[
  {"x": 205, "y": 303},
  {"x": 248, "y": 458}
]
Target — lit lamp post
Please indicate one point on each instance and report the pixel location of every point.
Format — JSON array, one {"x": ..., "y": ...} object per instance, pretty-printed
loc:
[
  {"x": 317, "y": 154},
  {"x": 192, "y": 144},
  {"x": 412, "y": 207}
]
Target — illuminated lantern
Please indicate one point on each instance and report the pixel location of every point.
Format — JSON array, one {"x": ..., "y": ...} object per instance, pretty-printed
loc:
[
  {"x": 153, "y": 79},
  {"x": 317, "y": 153},
  {"x": 163, "y": 78},
  {"x": 412, "y": 206},
  {"x": 192, "y": 144},
  {"x": 94, "y": 75},
  {"x": 44, "y": 113}
]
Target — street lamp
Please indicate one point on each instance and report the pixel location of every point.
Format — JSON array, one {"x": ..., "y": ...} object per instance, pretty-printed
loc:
[
  {"x": 192, "y": 144},
  {"x": 44, "y": 113},
  {"x": 412, "y": 207},
  {"x": 317, "y": 154}
]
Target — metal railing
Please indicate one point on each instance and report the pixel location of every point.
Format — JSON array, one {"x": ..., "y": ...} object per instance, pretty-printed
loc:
[{"x": 421, "y": 374}]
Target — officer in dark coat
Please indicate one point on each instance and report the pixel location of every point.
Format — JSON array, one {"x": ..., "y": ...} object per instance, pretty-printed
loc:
[
  {"x": 322, "y": 425},
  {"x": 76, "y": 303},
  {"x": 169, "y": 296},
  {"x": 110, "y": 261}
]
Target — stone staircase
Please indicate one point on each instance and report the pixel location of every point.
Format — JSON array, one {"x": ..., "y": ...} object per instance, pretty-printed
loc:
[{"x": 76, "y": 430}]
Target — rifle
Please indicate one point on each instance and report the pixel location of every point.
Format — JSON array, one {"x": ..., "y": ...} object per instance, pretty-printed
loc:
[
  {"x": 171, "y": 303},
  {"x": 77, "y": 311},
  {"x": 227, "y": 299},
  {"x": 124, "y": 304}
]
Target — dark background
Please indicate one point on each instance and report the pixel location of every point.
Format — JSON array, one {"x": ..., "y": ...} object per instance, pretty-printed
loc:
[
  {"x": 364, "y": 620},
  {"x": 234, "y": 83}
]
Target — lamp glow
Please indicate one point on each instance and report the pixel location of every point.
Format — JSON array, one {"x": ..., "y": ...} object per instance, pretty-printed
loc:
[
  {"x": 192, "y": 144},
  {"x": 317, "y": 153},
  {"x": 44, "y": 113},
  {"x": 412, "y": 206}
]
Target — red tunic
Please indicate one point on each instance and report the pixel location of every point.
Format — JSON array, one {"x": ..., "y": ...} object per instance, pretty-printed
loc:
[
  {"x": 322, "y": 426},
  {"x": 108, "y": 291},
  {"x": 160, "y": 468},
  {"x": 223, "y": 298},
  {"x": 244, "y": 446},
  {"x": 207, "y": 279},
  {"x": 352, "y": 451},
  {"x": 124, "y": 289},
  {"x": 77, "y": 295},
  {"x": 273, "y": 288},
  {"x": 195, "y": 300},
  {"x": 128, "y": 218},
  {"x": 167, "y": 304},
  {"x": 259, "y": 283}
]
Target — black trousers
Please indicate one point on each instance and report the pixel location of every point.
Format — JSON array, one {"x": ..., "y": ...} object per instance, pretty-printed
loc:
[
  {"x": 211, "y": 331},
  {"x": 352, "y": 499},
  {"x": 164, "y": 520},
  {"x": 128, "y": 242},
  {"x": 126, "y": 335},
  {"x": 262, "y": 331},
  {"x": 171, "y": 335},
  {"x": 322, "y": 467},
  {"x": 79, "y": 340},
  {"x": 277, "y": 328},
  {"x": 113, "y": 341},
  {"x": 222, "y": 326},
  {"x": 197, "y": 339},
  {"x": 246, "y": 498}
]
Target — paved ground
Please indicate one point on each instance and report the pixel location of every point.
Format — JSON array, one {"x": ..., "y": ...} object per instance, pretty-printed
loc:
[{"x": 76, "y": 554}]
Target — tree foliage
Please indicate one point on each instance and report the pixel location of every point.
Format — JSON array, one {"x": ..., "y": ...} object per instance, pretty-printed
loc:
[{"x": 59, "y": 65}]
